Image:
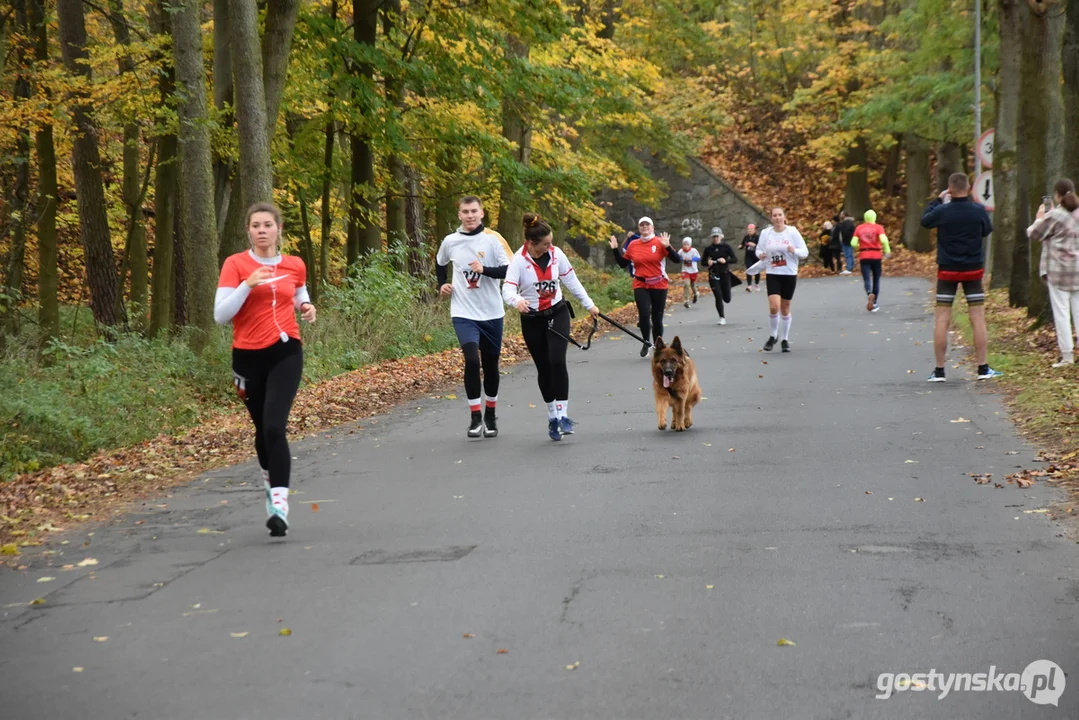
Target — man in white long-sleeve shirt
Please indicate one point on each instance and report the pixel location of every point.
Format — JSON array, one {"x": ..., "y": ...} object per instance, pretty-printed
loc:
[{"x": 780, "y": 248}]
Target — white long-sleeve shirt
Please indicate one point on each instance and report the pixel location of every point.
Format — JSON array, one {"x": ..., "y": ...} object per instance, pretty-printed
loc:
[
  {"x": 542, "y": 287},
  {"x": 772, "y": 247}
]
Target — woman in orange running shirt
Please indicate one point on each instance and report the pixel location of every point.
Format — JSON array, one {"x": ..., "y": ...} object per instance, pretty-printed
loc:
[
  {"x": 649, "y": 254},
  {"x": 259, "y": 292}
]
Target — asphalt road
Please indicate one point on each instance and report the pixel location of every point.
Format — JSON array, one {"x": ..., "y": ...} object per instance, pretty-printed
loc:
[{"x": 667, "y": 565}]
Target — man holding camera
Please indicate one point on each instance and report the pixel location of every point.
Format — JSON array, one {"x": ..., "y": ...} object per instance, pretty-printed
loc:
[{"x": 962, "y": 226}]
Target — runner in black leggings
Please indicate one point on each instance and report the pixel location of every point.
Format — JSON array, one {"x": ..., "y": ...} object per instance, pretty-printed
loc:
[
  {"x": 533, "y": 285},
  {"x": 648, "y": 254},
  {"x": 260, "y": 291}
]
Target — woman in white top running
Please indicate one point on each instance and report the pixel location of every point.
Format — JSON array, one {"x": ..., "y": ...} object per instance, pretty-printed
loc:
[
  {"x": 690, "y": 258},
  {"x": 780, "y": 248},
  {"x": 533, "y": 285}
]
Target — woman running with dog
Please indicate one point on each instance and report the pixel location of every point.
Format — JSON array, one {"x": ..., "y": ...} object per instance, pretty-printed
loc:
[
  {"x": 533, "y": 285},
  {"x": 781, "y": 247},
  {"x": 259, "y": 292},
  {"x": 649, "y": 254}
]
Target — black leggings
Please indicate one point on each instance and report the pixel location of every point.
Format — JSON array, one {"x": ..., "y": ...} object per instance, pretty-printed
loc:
[
  {"x": 482, "y": 355},
  {"x": 721, "y": 289},
  {"x": 549, "y": 353},
  {"x": 650, "y": 306},
  {"x": 267, "y": 381}
]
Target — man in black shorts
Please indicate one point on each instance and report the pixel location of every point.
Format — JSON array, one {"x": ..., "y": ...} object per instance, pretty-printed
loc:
[{"x": 962, "y": 226}]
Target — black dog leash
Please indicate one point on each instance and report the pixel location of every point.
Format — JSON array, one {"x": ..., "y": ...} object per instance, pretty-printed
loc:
[
  {"x": 626, "y": 330},
  {"x": 588, "y": 340}
]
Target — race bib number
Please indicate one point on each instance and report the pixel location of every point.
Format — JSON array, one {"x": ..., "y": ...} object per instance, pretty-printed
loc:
[
  {"x": 779, "y": 260},
  {"x": 472, "y": 278},
  {"x": 546, "y": 288}
]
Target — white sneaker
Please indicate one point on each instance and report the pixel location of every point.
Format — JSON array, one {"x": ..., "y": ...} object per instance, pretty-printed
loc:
[
  {"x": 722, "y": 321},
  {"x": 1064, "y": 362},
  {"x": 846, "y": 272}
]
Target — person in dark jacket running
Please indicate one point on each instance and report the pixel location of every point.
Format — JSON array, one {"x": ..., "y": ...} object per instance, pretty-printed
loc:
[
  {"x": 749, "y": 247},
  {"x": 718, "y": 258},
  {"x": 962, "y": 226},
  {"x": 844, "y": 232}
]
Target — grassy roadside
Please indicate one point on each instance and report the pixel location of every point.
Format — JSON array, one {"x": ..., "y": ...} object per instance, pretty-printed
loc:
[{"x": 1043, "y": 401}]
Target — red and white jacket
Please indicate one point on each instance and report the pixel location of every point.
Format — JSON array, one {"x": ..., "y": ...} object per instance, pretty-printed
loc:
[{"x": 541, "y": 287}]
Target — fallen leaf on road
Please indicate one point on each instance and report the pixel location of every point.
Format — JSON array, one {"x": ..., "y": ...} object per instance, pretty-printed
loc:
[
  {"x": 469, "y": 636},
  {"x": 574, "y": 666},
  {"x": 9, "y": 549},
  {"x": 660, "y": 577},
  {"x": 102, "y": 638},
  {"x": 45, "y": 579},
  {"x": 1024, "y": 482},
  {"x": 868, "y": 492},
  {"x": 531, "y": 405},
  {"x": 960, "y": 420},
  {"x": 709, "y": 587},
  {"x": 1012, "y": 452},
  {"x": 238, "y": 635},
  {"x": 707, "y": 444},
  {"x": 502, "y": 651},
  {"x": 76, "y": 669},
  {"x": 764, "y": 362},
  {"x": 87, "y": 562},
  {"x": 784, "y": 642},
  {"x": 730, "y": 449},
  {"x": 759, "y": 377},
  {"x": 1039, "y": 510},
  {"x": 284, "y": 632},
  {"x": 38, "y": 601},
  {"x": 675, "y": 457},
  {"x": 911, "y": 462},
  {"x": 314, "y": 507},
  {"x": 980, "y": 447},
  {"x": 451, "y": 397},
  {"x": 919, "y": 499},
  {"x": 982, "y": 479},
  {"x": 208, "y": 531}
]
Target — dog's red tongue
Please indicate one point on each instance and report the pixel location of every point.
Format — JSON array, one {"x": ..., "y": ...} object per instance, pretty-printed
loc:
[{"x": 666, "y": 381}]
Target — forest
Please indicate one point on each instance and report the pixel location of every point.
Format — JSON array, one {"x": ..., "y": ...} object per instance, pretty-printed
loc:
[{"x": 137, "y": 132}]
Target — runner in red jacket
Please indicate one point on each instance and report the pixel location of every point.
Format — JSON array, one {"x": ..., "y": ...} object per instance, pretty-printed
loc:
[
  {"x": 871, "y": 244},
  {"x": 648, "y": 254}
]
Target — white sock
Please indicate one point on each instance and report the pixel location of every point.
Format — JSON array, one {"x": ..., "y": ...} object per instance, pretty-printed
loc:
[
  {"x": 785, "y": 325},
  {"x": 552, "y": 411},
  {"x": 279, "y": 497},
  {"x": 562, "y": 407},
  {"x": 773, "y": 324}
]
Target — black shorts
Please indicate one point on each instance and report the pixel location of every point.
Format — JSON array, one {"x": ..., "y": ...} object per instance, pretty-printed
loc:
[
  {"x": 781, "y": 285},
  {"x": 948, "y": 282}
]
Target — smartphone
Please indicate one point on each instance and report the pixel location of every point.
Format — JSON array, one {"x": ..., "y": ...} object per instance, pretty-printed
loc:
[{"x": 1047, "y": 202}]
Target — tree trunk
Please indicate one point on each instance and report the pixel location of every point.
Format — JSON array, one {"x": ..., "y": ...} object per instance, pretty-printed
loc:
[
  {"x": 1035, "y": 106},
  {"x": 199, "y": 230},
  {"x": 327, "y": 183},
  {"x": 1054, "y": 98},
  {"x": 890, "y": 179},
  {"x": 135, "y": 246},
  {"x": 396, "y": 223},
  {"x": 13, "y": 273},
  {"x": 48, "y": 280},
  {"x": 1070, "y": 65},
  {"x": 856, "y": 199},
  {"x": 518, "y": 132},
  {"x": 162, "y": 297},
  {"x": 949, "y": 161},
  {"x": 276, "y": 42},
  {"x": 1007, "y": 232},
  {"x": 86, "y": 160},
  {"x": 293, "y": 124},
  {"x": 446, "y": 209},
  {"x": 364, "y": 231},
  {"x": 226, "y": 200},
  {"x": 414, "y": 213},
  {"x": 255, "y": 172},
  {"x": 179, "y": 267},
  {"x": 915, "y": 236}
]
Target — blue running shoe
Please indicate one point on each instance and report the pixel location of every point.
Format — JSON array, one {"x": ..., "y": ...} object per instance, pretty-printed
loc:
[
  {"x": 990, "y": 374},
  {"x": 565, "y": 426},
  {"x": 553, "y": 430}
]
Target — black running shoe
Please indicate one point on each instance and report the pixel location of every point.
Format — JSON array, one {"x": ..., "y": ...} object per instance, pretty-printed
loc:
[
  {"x": 476, "y": 428},
  {"x": 277, "y": 525},
  {"x": 770, "y": 344},
  {"x": 694, "y": 298},
  {"x": 686, "y": 303},
  {"x": 786, "y": 346},
  {"x": 490, "y": 427},
  {"x": 644, "y": 350}
]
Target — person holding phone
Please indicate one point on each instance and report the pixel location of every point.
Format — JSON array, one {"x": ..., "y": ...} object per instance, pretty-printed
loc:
[
  {"x": 259, "y": 292},
  {"x": 1057, "y": 229}
]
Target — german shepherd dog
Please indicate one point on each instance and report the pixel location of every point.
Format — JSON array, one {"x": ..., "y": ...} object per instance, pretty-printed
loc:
[{"x": 674, "y": 382}]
